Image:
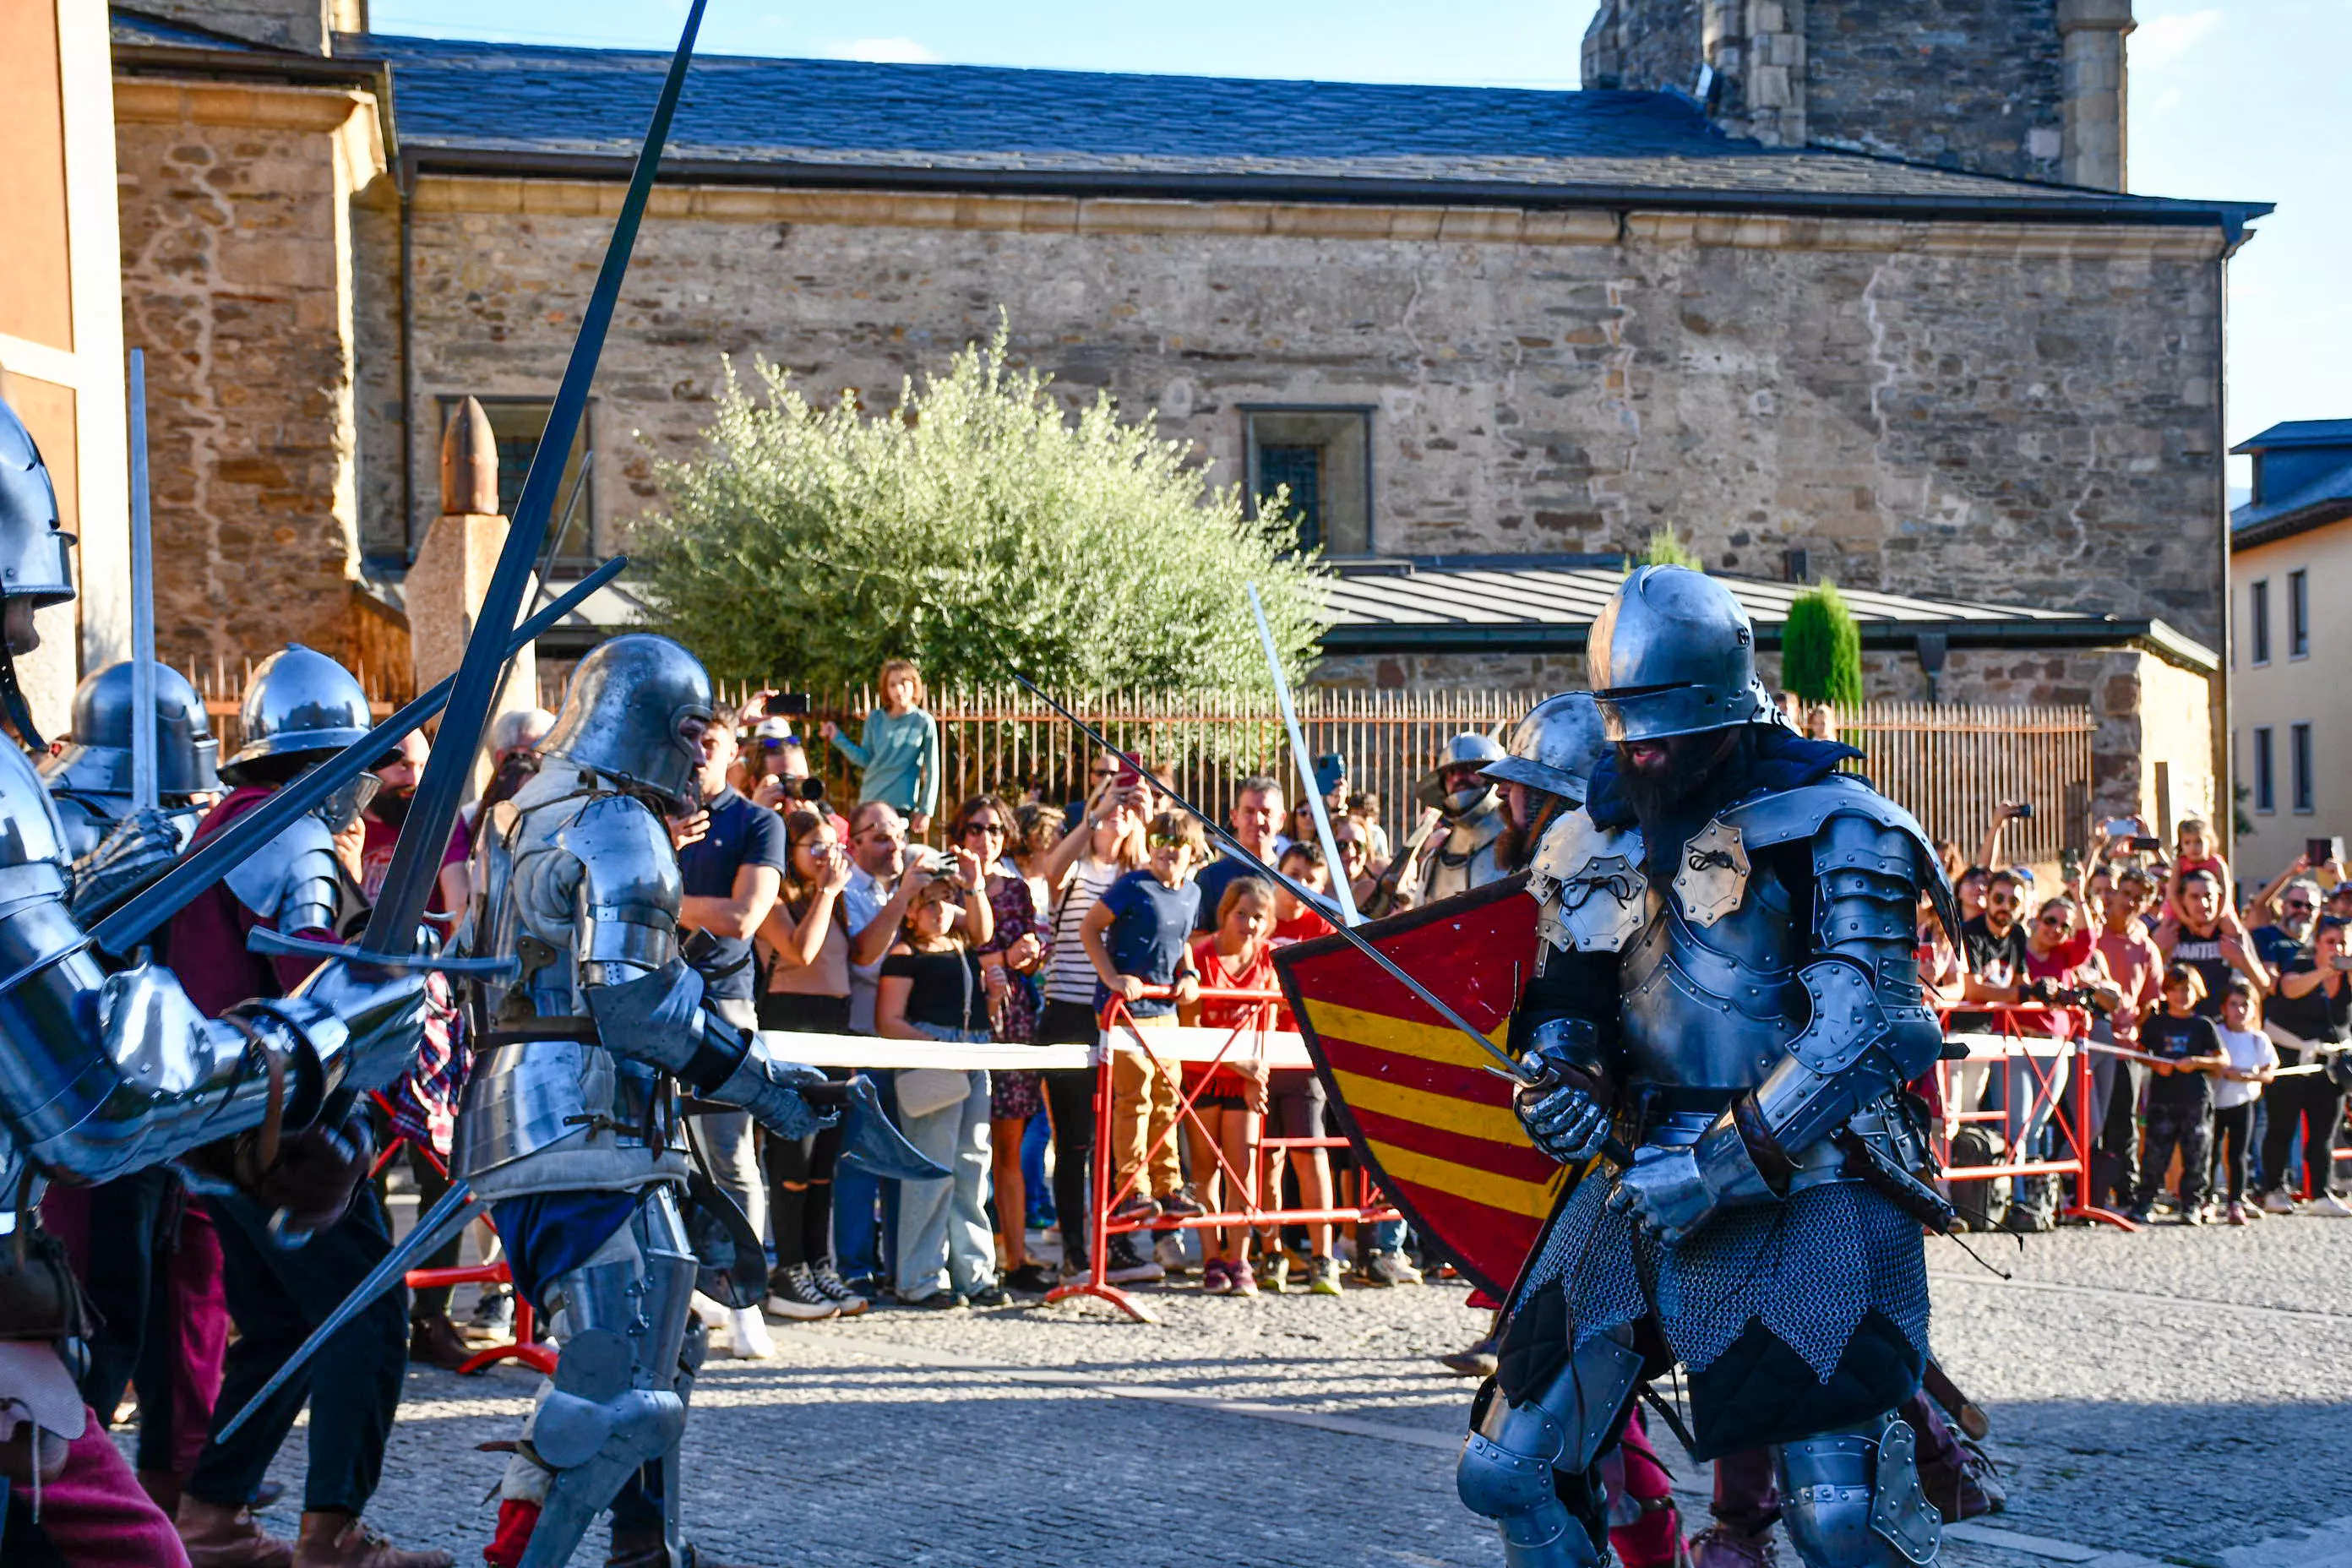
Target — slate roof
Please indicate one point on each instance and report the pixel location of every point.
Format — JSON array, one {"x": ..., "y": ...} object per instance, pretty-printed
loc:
[
  {"x": 139, "y": 30},
  {"x": 2308, "y": 485},
  {"x": 487, "y": 106},
  {"x": 1538, "y": 608}
]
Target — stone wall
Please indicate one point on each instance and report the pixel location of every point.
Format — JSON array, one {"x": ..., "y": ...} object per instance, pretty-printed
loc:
[
  {"x": 1643, "y": 44},
  {"x": 2025, "y": 416},
  {"x": 1968, "y": 84},
  {"x": 238, "y": 281}
]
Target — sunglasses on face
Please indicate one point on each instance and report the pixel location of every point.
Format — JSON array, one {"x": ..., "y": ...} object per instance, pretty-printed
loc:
[
  {"x": 2055, "y": 923},
  {"x": 982, "y": 829},
  {"x": 2298, "y": 905},
  {"x": 1169, "y": 841},
  {"x": 1102, "y": 772}
]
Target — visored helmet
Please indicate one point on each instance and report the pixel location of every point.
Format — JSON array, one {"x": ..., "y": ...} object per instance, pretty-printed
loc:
[
  {"x": 625, "y": 711},
  {"x": 298, "y": 700},
  {"x": 97, "y": 761},
  {"x": 1555, "y": 747},
  {"x": 1468, "y": 749},
  {"x": 1672, "y": 653},
  {"x": 32, "y": 549}
]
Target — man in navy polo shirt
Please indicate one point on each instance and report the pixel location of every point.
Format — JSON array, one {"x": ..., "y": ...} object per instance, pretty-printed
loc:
[{"x": 733, "y": 874}]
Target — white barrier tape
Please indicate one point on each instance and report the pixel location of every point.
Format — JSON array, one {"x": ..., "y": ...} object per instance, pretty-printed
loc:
[
  {"x": 873, "y": 1051},
  {"x": 1183, "y": 1043},
  {"x": 1995, "y": 1048}
]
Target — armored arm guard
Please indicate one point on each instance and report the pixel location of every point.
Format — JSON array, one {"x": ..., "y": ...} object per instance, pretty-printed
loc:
[
  {"x": 293, "y": 881},
  {"x": 1870, "y": 1031},
  {"x": 646, "y": 999}
]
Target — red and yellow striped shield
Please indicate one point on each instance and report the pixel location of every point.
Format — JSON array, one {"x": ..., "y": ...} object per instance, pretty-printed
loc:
[{"x": 1414, "y": 1095}]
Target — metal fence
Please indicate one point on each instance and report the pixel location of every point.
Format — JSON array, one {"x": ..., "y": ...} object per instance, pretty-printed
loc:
[{"x": 1950, "y": 764}]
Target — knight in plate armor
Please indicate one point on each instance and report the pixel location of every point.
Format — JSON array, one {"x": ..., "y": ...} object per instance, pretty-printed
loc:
[
  {"x": 1725, "y": 981},
  {"x": 1465, "y": 856},
  {"x": 104, "y": 1073},
  {"x": 569, "y": 1123},
  {"x": 90, "y": 779}
]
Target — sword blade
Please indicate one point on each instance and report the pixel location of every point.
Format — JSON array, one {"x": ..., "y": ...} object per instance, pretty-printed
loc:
[
  {"x": 1344, "y": 895},
  {"x": 425, "y": 836},
  {"x": 434, "y": 1226},
  {"x": 211, "y": 860},
  {"x": 146, "y": 793}
]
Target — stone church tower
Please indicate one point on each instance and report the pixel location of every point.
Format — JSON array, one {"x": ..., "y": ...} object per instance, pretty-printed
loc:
[{"x": 2030, "y": 90}]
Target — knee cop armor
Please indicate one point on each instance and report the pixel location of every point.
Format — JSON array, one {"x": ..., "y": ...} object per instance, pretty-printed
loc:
[
  {"x": 1851, "y": 1499},
  {"x": 1508, "y": 1464}
]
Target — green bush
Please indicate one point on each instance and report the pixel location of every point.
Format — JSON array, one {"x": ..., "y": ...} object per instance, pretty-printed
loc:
[
  {"x": 1665, "y": 550},
  {"x": 1820, "y": 649},
  {"x": 974, "y": 530}
]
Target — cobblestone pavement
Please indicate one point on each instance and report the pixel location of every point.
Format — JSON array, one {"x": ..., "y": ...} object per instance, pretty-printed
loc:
[{"x": 2178, "y": 1396}]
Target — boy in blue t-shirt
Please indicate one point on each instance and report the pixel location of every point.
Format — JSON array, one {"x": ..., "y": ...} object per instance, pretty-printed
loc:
[{"x": 1138, "y": 937}]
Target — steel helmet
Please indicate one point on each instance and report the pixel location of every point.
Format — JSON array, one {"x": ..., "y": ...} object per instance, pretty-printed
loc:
[
  {"x": 1555, "y": 747},
  {"x": 1468, "y": 749},
  {"x": 97, "y": 761},
  {"x": 624, "y": 715},
  {"x": 33, "y": 562},
  {"x": 1672, "y": 653},
  {"x": 298, "y": 700}
]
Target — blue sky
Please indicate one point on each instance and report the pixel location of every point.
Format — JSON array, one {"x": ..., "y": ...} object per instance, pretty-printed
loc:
[{"x": 2232, "y": 99}]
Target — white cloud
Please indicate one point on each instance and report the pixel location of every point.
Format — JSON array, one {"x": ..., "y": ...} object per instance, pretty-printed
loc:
[
  {"x": 881, "y": 52},
  {"x": 2160, "y": 40}
]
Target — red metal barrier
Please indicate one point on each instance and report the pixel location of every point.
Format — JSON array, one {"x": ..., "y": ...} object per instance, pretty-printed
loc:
[
  {"x": 2062, "y": 1056},
  {"x": 1254, "y": 1215}
]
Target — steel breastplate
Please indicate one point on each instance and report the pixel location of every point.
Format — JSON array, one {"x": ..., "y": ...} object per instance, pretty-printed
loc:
[
  {"x": 1712, "y": 1007},
  {"x": 569, "y": 1097}
]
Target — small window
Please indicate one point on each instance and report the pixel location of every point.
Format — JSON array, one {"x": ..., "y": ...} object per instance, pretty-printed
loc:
[
  {"x": 517, "y": 423},
  {"x": 2299, "y": 748},
  {"x": 2258, "y": 611},
  {"x": 2298, "y": 615},
  {"x": 1322, "y": 459},
  {"x": 2265, "y": 777}
]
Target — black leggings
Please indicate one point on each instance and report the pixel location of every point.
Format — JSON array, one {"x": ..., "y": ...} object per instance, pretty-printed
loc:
[
  {"x": 800, "y": 1170},
  {"x": 1070, "y": 1104},
  {"x": 2233, "y": 1130},
  {"x": 2311, "y": 1102}
]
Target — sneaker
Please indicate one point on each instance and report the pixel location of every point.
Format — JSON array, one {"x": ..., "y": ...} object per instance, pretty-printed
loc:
[
  {"x": 2190, "y": 1214},
  {"x": 1323, "y": 1276},
  {"x": 1137, "y": 1207},
  {"x": 1029, "y": 1279},
  {"x": 2327, "y": 1205},
  {"x": 2254, "y": 1211},
  {"x": 748, "y": 1334},
  {"x": 1215, "y": 1279},
  {"x": 836, "y": 1289},
  {"x": 1183, "y": 1204},
  {"x": 1274, "y": 1274},
  {"x": 791, "y": 1293},
  {"x": 2237, "y": 1215},
  {"x": 2138, "y": 1215},
  {"x": 1072, "y": 1270},
  {"x": 937, "y": 1301},
  {"x": 1241, "y": 1281},
  {"x": 494, "y": 1313},
  {"x": 993, "y": 1295},
  {"x": 2276, "y": 1202},
  {"x": 1168, "y": 1250},
  {"x": 1128, "y": 1266},
  {"x": 1386, "y": 1269},
  {"x": 1479, "y": 1361}
]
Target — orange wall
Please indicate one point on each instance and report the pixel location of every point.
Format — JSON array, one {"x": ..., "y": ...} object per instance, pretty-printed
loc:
[{"x": 36, "y": 288}]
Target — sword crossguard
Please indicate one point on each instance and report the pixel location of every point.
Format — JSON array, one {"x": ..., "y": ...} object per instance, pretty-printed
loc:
[{"x": 261, "y": 938}]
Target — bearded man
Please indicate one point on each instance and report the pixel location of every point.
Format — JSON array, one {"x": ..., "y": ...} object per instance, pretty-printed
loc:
[{"x": 1724, "y": 981}]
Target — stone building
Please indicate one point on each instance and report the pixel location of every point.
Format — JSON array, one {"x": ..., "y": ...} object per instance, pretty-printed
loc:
[{"x": 1827, "y": 286}]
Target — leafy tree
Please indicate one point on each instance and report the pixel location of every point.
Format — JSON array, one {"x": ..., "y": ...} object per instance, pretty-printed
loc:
[
  {"x": 1821, "y": 648},
  {"x": 1665, "y": 550},
  {"x": 974, "y": 530}
]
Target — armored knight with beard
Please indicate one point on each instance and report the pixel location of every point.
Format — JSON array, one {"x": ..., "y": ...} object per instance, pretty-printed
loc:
[
  {"x": 1724, "y": 980},
  {"x": 103, "y": 1074},
  {"x": 1465, "y": 858},
  {"x": 569, "y": 1123}
]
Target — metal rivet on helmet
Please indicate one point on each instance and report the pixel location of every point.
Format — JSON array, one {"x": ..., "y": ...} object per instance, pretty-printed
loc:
[{"x": 1672, "y": 653}]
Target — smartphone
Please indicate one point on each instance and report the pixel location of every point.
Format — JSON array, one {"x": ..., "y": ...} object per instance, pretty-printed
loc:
[
  {"x": 1129, "y": 775},
  {"x": 2145, "y": 843},
  {"x": 2319, "y": 851},
  {"x": 2120, "y": 828},
  {"x": 2022, "y": 811},
  {"x": 786, "y": 704}
]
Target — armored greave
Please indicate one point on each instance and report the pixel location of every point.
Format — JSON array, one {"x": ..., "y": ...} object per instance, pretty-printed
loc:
[
  {"x": 1508, "y": 1465},
  {"x": 1851, "y": 1499},
  {"x": 615, "y": 1401}
]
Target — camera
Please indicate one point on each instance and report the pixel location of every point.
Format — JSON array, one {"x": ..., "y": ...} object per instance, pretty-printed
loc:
[{"x": 786, "y": 704}]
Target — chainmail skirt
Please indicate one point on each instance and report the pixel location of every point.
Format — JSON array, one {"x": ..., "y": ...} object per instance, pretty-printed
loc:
[{"x": 1808, "y": 1269}]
